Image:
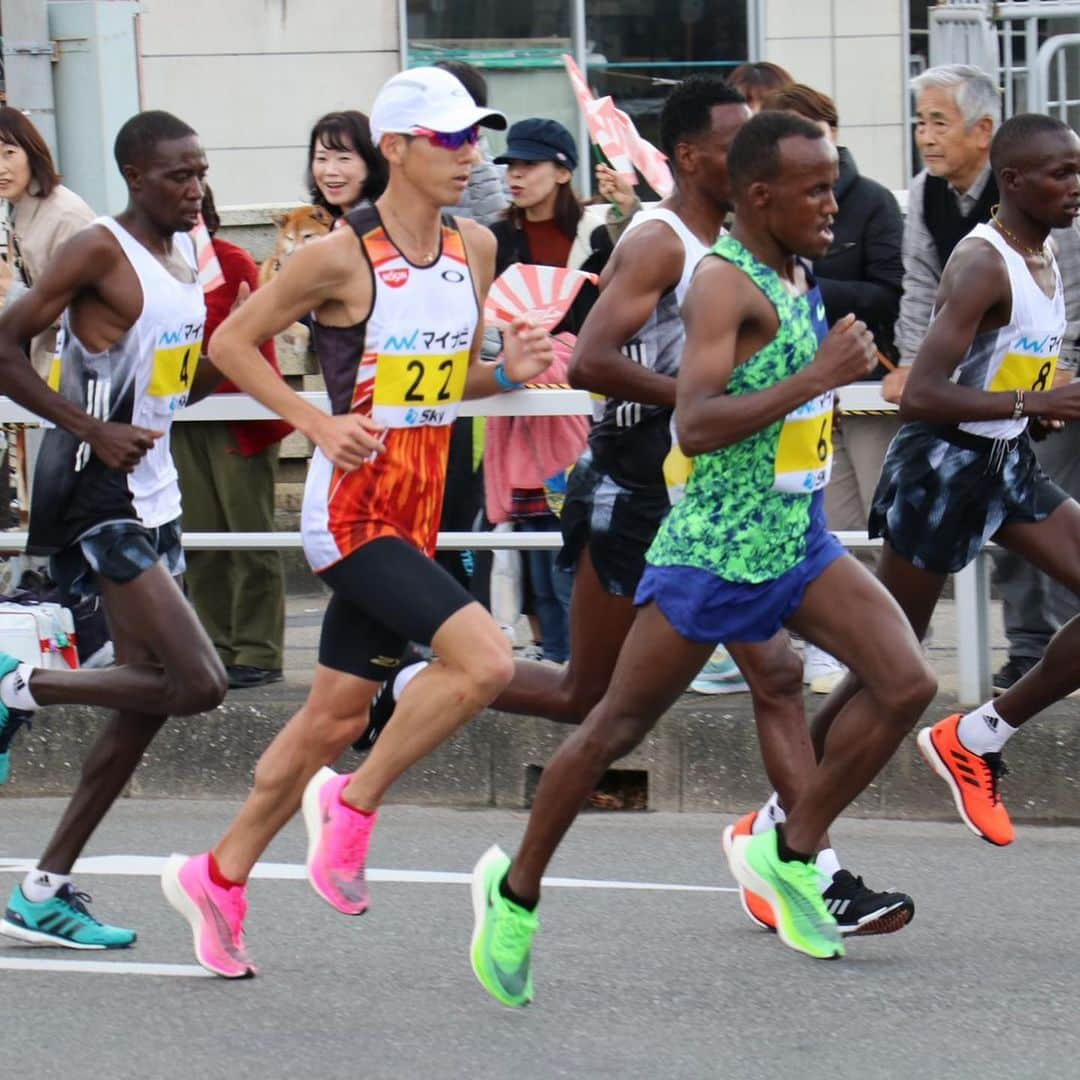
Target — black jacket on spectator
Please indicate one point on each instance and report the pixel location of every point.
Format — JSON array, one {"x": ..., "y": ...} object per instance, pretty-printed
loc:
[
  {"x": 862, "y": 271},
  {"x": 513, "y": 247}
]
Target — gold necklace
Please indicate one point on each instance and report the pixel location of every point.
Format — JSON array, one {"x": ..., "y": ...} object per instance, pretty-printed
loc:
[
  {"x": 428, "y": 256},
  {"x": 1040, "y": 251}
]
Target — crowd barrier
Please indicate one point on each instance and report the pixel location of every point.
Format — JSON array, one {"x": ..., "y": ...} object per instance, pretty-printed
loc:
[{"x": 972, "y": 591}]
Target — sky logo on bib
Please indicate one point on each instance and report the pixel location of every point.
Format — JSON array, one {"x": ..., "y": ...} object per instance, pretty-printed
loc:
[{"x": 395, "y": 278}]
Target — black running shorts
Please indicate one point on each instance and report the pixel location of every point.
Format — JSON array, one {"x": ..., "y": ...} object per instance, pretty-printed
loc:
[
  {"x": 385, "y": 594},
  {"x": 617, "y": 526},
  {"x": 118, "y": 551}
]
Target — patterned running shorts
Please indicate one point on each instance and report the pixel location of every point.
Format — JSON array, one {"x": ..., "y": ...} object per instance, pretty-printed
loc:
[{"x": 944, "y": 493}]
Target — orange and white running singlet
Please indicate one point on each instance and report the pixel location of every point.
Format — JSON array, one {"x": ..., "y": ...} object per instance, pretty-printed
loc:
[{"x": 405, "y": 366}]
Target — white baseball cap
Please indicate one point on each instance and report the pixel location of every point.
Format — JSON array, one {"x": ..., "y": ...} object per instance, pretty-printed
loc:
[{"x": 427, "y": 97}]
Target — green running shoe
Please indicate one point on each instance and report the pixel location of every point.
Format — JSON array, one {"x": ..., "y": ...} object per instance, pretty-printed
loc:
[
  {"x": 502, "y": 934},
  {"x": 794, "y": 891},
  {"x": 62, "y": 920},
  {"x": 10, "y": 719}
]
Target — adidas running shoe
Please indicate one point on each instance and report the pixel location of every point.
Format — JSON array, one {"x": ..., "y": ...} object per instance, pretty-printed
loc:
[
  {"x": 861, "y": 911},
  {"x": 63, "y": 920},
  {"x": 972, "y": 779}
]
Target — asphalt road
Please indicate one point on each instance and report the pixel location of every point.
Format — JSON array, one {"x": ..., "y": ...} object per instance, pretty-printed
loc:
[{"x": 630, "y": 982}]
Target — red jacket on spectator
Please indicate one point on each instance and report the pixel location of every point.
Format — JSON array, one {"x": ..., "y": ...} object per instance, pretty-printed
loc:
[{"x": 252, "y": 436}]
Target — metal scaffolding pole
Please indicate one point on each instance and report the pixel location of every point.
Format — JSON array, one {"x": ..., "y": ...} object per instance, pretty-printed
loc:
[{"x": 28, "y": 56}]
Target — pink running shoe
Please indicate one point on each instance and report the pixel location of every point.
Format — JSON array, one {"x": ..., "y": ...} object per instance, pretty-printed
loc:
[
  {"x": 338, "y": 838},
  {"x": 216, "y": 915}
]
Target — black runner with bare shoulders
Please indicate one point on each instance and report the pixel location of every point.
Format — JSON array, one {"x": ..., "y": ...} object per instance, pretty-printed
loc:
[{"x": 106, "y": 499}]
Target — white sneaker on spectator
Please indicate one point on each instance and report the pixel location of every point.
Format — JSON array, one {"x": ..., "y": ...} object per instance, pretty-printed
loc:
[
  {"x": 822, "y": 671},
  {"x": 720, "y": 675}
]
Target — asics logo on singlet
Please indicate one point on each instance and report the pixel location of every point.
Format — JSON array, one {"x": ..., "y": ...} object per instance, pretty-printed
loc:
[{"x": 394, "y": 278}]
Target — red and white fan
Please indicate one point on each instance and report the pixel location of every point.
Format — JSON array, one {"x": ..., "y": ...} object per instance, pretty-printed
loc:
[{"x": 542, "y": 294}]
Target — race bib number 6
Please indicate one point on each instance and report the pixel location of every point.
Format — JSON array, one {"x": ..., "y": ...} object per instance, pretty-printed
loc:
[
  {"x": 804, "y": 450},
  {"x": 419, "y": 391}
]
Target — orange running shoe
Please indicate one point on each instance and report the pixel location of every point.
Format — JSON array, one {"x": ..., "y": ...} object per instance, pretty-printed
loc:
[
  {"x": 972, "y": 779},
  {"x": 756, "y": 907}
]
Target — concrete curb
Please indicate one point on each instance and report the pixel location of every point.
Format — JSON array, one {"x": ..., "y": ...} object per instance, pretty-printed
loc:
[{"x": 703, "y": 756}]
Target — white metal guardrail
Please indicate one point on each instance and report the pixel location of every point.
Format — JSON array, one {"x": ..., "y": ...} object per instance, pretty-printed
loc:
[{"x": 971, "y": 585}]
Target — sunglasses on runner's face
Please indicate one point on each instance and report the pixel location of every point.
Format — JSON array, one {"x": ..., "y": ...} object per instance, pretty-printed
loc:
[{"x": 449, "y": 140}]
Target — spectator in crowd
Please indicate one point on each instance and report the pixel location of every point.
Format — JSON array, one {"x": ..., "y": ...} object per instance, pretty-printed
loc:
[
  {"x": 484, "y": 200},
  {"x": 40, "y": 216},
  {"x": 757, "y": 80},
  {"x": 860, "y": 274},
  {"x": 957, "y": 109},
  {"x": 545, "y": 225},
  {"x": 487, "y": 196},
  {"x": 227, "y": 471},
  {"x": 344, "y": 167}
]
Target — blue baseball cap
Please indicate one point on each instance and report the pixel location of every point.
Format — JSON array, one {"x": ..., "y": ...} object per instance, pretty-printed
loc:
[{"x": 536, "y": 139}]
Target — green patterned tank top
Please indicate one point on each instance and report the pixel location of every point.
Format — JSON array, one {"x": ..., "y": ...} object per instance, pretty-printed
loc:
[{"x": 750, "y": 507}]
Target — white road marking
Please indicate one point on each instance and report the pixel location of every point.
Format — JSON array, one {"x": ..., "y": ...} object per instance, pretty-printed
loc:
[
  {"x": 152, "y": 865},
  {"x": 105, "y": 967}
]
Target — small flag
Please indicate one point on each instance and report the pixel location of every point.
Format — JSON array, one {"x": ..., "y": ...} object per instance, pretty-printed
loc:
[
  {"x": 210, "y": 275},
  {"x": 614, "y": 132}
]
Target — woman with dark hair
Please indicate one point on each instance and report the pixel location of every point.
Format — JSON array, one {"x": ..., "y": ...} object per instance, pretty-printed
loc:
[
  {"x": 344, "y": 166},
  {"x": 756, "y": 81},
  {"x": 544, "y": 225},
  {"x": 42, "y": 215}
]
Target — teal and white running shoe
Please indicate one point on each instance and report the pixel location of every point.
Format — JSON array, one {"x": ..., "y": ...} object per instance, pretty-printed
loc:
[
  {"x": 720, "y": 675},
  {"x": 10, "y": 719},
  {"x": 62, "y": 920}
]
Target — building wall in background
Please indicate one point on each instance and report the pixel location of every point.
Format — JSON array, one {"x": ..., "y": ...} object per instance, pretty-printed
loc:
[
  {"x": 251, "y": 76},
  {"x": 853, "y": 50}
]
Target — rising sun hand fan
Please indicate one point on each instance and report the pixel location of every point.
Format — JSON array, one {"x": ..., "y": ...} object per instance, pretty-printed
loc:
[{"x": 542, "y": 294}]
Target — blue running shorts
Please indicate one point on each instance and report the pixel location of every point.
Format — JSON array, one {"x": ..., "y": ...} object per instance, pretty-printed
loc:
[{"x": 707, "y": 609}]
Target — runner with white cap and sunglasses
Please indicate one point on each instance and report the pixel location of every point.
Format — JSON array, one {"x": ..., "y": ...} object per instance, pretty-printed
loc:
[{"x": 397, "y": 298}]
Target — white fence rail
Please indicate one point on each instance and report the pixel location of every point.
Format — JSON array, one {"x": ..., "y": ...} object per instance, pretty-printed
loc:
[{"x": 972, "y": 590}]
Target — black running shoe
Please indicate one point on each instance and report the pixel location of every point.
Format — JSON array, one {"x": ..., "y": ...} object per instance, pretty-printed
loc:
[
  {"x": 859, "y": 910},
  {"x": 1012, "y": 671},
  {"x": 382, "y": 708}
]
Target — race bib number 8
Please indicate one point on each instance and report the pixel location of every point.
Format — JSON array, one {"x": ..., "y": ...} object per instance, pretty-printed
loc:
[
  {"x": 1022, "y": 371},
  {"x": 804, "y": 449},
  {"x": 419, "y": 391},
  {"x": 173, "y": 371}
]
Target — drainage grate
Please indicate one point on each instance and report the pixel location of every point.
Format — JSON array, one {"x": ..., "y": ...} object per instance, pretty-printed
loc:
[{"x": 619, "y": 789}]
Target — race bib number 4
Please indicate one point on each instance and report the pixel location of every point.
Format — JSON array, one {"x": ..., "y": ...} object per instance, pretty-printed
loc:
[
  {"x": 1023, "y": 371},
  {"x": 171, "y": 376},
  {"x": 804, "y": 449},
  {"x": 419, "y": 391}
]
